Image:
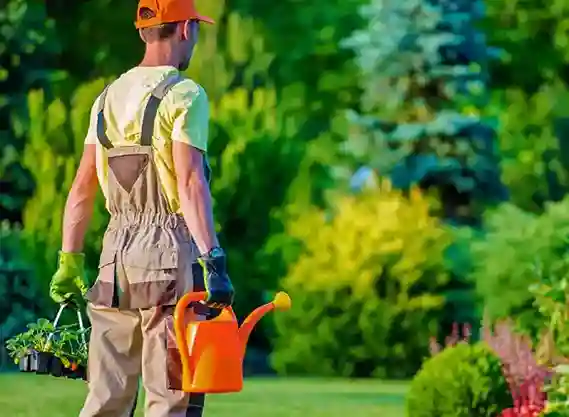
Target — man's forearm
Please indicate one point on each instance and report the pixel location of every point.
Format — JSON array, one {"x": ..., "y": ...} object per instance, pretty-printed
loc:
[
  {"x": 195, "y": 201},
  {"x": 78, "y": 212}
]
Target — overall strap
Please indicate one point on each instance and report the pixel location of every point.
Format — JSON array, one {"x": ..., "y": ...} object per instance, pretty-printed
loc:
[
  {"x": 151, "y": 109},
  {"x": 101, "y": 131}
]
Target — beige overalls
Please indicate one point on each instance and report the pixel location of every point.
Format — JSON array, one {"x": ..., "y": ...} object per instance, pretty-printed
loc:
[{"x": 147, "y": 263}]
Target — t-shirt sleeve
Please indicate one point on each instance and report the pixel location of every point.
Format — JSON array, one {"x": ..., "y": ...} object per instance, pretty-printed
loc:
[
  {"x": 191, "y": 117},
  {"x": 91, "y": 137}
]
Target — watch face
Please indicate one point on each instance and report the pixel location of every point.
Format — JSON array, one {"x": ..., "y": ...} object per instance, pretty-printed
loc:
[{"x": 216, "y": 252}]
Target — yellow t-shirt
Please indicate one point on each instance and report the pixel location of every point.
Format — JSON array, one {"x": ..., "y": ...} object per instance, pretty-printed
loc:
[{"x": 183, "y": 115}]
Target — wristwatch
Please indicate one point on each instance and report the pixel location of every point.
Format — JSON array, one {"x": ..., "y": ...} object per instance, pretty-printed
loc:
[{"x": 216, "y": 252}]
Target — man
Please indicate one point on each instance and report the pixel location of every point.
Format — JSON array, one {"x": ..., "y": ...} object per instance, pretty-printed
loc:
[{"x": 146, "y": 147}]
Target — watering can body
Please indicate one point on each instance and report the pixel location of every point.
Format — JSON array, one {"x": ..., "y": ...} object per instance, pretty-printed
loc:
[{"x": 212, "y": 351}]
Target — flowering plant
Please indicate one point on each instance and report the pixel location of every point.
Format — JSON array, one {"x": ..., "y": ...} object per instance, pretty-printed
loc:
[{"x": 525, "y": 376}]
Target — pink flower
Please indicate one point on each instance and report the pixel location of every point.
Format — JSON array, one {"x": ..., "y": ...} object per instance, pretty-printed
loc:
[{"x": 524, "y": 375}]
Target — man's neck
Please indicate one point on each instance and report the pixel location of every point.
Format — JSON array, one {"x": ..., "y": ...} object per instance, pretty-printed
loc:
[{"x": 158, "y": 58}]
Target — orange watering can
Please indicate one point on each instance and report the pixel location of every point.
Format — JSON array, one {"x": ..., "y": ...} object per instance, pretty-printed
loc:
[{"x": 212, "y": 351}]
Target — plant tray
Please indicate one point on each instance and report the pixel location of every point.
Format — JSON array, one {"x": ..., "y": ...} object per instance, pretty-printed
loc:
[{"x": 44, "y": 363}]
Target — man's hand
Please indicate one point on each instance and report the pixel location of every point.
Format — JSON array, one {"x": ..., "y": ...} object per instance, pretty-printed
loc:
[
  {"x": 69, "y": 283},
  {"x": 218, "y": 285}
]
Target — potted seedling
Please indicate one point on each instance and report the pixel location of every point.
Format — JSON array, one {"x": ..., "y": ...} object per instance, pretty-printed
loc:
[
  {"x": 80, "y": 355},
  {"x": 60, "y": 349},
  {"x": 71, "y": 353},
  {"x": 31, "y": 349},
  {"x": 46, "y": 348},
  {"x": 19, "y": 351},
  {"x": 78, "y": 366},
  {"x": 42, "y": 352}
]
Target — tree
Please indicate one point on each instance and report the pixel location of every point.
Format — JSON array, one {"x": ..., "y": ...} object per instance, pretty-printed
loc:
[
  {"x": 533, "y": 143},
  {"x": 424, "y": 75},
  {"x": 27, "y": 49},
  {"x": 521, "y": 28}
]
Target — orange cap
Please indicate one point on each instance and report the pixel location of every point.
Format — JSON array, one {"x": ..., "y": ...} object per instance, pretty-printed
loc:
[{"x": 168, "y": 11}]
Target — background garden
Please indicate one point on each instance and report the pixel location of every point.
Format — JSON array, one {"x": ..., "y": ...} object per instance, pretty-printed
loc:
[{"x": 400, "y": 167}]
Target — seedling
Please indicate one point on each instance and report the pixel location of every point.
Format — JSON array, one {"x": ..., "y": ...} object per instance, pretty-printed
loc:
[{"x": 46, "y": 348}]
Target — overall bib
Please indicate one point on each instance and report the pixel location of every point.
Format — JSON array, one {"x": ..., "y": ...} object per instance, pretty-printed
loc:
[{"x": 148, "y": 261}]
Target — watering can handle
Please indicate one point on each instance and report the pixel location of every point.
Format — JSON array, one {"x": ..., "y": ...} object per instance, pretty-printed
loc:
[
  {"x": 185, "y": 302},
  {"x": 181, "y": 309},
  {"x": 188, "y": 298}
]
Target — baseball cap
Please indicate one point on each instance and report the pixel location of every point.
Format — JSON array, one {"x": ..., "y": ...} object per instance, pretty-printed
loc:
[{"x": 168, "y": 11}]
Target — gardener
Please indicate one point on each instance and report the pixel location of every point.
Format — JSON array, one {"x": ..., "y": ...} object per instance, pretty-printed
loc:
[{"x": 146, "y": 147}]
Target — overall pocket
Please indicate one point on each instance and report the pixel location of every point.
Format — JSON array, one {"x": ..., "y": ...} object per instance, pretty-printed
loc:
[
  {"x": 149, "y": 277},
  {"x": 102, "y": 290}
]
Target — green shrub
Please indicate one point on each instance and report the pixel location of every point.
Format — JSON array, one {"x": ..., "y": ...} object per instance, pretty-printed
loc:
[
  {"x": 461, "y": 381},
  {"x": 366, "y": 288},
  {"x": 18, "y": 286},
  {"x": 517, "y": 249}
]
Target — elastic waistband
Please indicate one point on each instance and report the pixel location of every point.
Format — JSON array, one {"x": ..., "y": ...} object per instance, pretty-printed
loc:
[{"x": 131, "y": 219}]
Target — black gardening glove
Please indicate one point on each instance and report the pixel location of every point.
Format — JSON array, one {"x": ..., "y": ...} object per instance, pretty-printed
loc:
[{"x": 218, "y": 285}]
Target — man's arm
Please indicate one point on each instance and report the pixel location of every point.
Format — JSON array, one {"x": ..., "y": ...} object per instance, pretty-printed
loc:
[
  {"x": 194, "y": 194},
  {"x": 189, "y": 136},
  {"x": 80, "y": 202}
]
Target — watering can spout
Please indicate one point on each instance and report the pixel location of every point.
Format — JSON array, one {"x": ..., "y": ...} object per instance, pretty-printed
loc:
[{"x": 281, "y": 302}]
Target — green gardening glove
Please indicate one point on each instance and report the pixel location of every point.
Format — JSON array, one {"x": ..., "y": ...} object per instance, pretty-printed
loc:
[{"x": 69, "y": 283}]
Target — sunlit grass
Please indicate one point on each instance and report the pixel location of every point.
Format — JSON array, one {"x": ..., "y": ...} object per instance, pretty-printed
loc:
[{"x": 28, "y": 395}]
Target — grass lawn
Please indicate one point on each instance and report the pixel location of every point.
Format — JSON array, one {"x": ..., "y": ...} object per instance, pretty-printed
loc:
[{"x": 28, "y": 395}]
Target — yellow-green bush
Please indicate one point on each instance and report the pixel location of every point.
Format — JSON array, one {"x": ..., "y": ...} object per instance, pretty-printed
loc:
[
  {"x": 365, "y": 288},
  {"x": 54, "y": 145}
]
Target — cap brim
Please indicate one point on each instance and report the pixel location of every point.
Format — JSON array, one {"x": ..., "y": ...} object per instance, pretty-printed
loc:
[
  {"x": 204, "y": 19},
  {"x": 156, "y": 21}
]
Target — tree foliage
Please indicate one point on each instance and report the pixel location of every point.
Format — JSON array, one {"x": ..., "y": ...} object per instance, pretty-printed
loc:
[
  {"x": 424, "y": 77},
  {"x": 521, "y": 29}
]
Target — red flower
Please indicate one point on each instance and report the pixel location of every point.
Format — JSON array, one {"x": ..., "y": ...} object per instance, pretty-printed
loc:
[{"x": 508, "y": 412}]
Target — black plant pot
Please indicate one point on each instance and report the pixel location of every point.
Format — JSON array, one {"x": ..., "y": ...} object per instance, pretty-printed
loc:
[
  {"x": 44, "y": 361},
  {"x": 33, "y": 361},
  {"x": 24, "y": 363},
  {"x": 79, "y": 373},
  {"x": 56, "y": 367}
]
